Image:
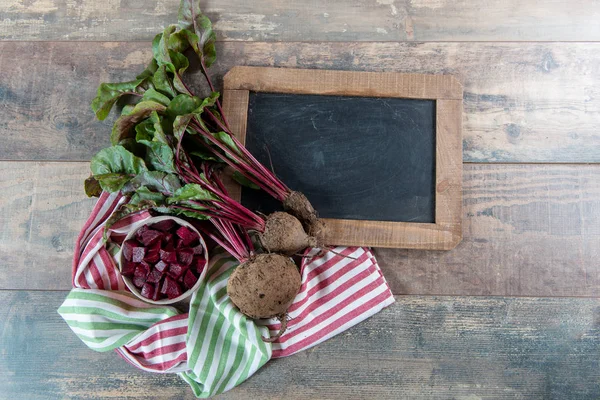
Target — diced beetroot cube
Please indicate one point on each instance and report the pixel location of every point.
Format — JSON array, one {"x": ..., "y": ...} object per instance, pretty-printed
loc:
[
  {"x": 138, "y": 254},
  {"x": 168, "y": 256},
  {"x": 170, "y": 288},
  {"x": 147, "y": 290},
  {"x": 176, "y": 270},
  {"x": 199, "y": 263},
  {"x": 169, "y": 246},
  {"x": 128, "y": 268},
  {"x": 128, "y": 247},
  {"x": 154, "y": 276},
  {"x": 153, "y": 253},
  {"x": 150, "y": 237},
  {"x": 190, "y": 279},
  {"x": 185, "y": 256},
  {"x": 156, "y": 294},
  {"x": 141, "y": 271},
  {"x": 161, "y": 265},
  {"x": 198, "y": 250},
  {"x": 141, "y": 231},
  {"x": 164, "y": 226},
  {"x": 167, "y": 238},
  {"x": 186, "y": 235},
  {"x": 139, "y": 281}
]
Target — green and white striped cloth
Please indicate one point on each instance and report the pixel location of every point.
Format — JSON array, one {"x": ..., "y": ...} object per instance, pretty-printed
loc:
[
  {"x": 222, "y": 347},
  {"x": 218, "y": 331}
]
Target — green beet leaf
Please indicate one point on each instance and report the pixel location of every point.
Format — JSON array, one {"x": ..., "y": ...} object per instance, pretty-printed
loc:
[
  {"x": 153, "y": 95},
  {"x": 123, "y": 125},
  {"x": 112, "y": 182},
  {"x": 157, "y": 181},
  {"x": 150, "y": 69},
  {"x": 191, "y": 191},
  {"x": 92, "y": 187},
  {"x": 109, "y": 93},
  {"x": 192, "y": 19},
  {"x": 116, "y": 159},
  {"x": 145, "y": 196},
  {"x": 162, "y": 82},
  {"x": 160, "y": 157}
]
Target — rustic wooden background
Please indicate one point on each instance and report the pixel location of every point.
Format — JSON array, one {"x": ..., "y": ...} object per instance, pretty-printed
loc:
[{"x": 512, "y": 312}]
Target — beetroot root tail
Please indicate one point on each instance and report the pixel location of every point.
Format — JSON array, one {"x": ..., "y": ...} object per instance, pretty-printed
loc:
[{"x": 283, "y": 320}]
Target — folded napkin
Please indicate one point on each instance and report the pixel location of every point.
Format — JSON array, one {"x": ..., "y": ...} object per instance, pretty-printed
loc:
[{"x": 213, "y": 347}]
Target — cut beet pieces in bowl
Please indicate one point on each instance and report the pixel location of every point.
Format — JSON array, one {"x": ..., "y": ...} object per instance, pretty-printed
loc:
[
  {"x": 164, "y": 226},
  {"x": 199, "y": 263},
  {"x": 161, "y": 266},
  {"x": 154, "y": 276},
  {"x": 153, "y": 253},
  {"x": 128, "y": 247},
  {"x": 147, "y": 290},
  {"x": 128, "y": 268},
  {"x": 185, "y": 256},
  {"x": 170, "y": 288},
  {"x": 139, "y": 281},
  {"x": 189, "y": 280},
  {"x": 138, "y": 254},
  {"x": 150, "y": 237},
  {"x": 176, "y": 270},
  {"x": 186, "y": 235},
  {"x": 168, "y": 256},
  {"x": 162, "y": 260}
]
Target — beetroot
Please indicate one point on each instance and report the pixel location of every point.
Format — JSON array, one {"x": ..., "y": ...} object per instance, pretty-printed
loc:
[
  {"x": 185, "y": 256},
  {"x": 167, "y": 238},
  {"x": 147, "y": 290},
  {"x": 189, "y": 280},
  {"x": 164, "y": 260},
  {"x": 164, "y": 226},
  {"x": 198, "y": 250},
  {"x": 154, "y": 276},
  {"x": 138, "y": 254},
  {"x": 153, "y": 253},
  {"x": 186, "y": 235},
  {"x": 168, "y": 256},
  {"x": 170, "y": 288},
  {"x": 128, "y": 268},
  {"x": 161, "y": 265},
  {"x": 128, "y": 247},
  {"x": 176, "y": 270},
  {"x": 141, "y": 231},
  {"x": 141, "y": 271},
  {"x": 150, "y": 237},
  {"x": 199, "y": 263},
  {"x": 139, "y": 281}
]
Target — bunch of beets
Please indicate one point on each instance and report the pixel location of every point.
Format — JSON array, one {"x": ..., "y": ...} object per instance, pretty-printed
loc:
[{"x": 169, "y": 148}]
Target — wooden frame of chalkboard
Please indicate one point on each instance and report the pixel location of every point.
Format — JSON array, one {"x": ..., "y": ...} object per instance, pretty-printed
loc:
[{"x": 446, "y": 232}]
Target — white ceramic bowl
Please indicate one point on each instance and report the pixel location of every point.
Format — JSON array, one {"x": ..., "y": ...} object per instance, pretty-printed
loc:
[{"x": 187, "y": 293}]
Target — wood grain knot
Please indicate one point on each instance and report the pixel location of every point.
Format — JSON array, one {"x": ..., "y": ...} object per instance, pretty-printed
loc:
[{"x": 443, "y": 186}]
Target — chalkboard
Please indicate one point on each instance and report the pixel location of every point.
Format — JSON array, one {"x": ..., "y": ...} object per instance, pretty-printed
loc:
[
  {"x": 379, "y": 154},
  {"x": 359, "y": 158}
]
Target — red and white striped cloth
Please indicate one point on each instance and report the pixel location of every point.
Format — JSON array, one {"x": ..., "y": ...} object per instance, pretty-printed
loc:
[{"x": 339, "y": 290}]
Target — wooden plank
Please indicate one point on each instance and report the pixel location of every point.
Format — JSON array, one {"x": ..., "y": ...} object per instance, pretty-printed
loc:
[
  {"x": 340, "y": 20},
  {"x": 523, "y": 102},
  {"x": 418, "y": 348},
  {"x": 446, "y": 232},
  {"x": 42, "y": 209},
  {"x": 528, "y": 230},
  {"x": 343, "y": 83}
]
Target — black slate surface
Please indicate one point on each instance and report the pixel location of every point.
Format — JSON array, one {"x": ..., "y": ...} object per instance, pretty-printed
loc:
[{"x": 357, "y": 158}]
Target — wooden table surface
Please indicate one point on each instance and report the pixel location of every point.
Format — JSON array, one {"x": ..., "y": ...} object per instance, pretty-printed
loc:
[{"x": 512, "y": 312}]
